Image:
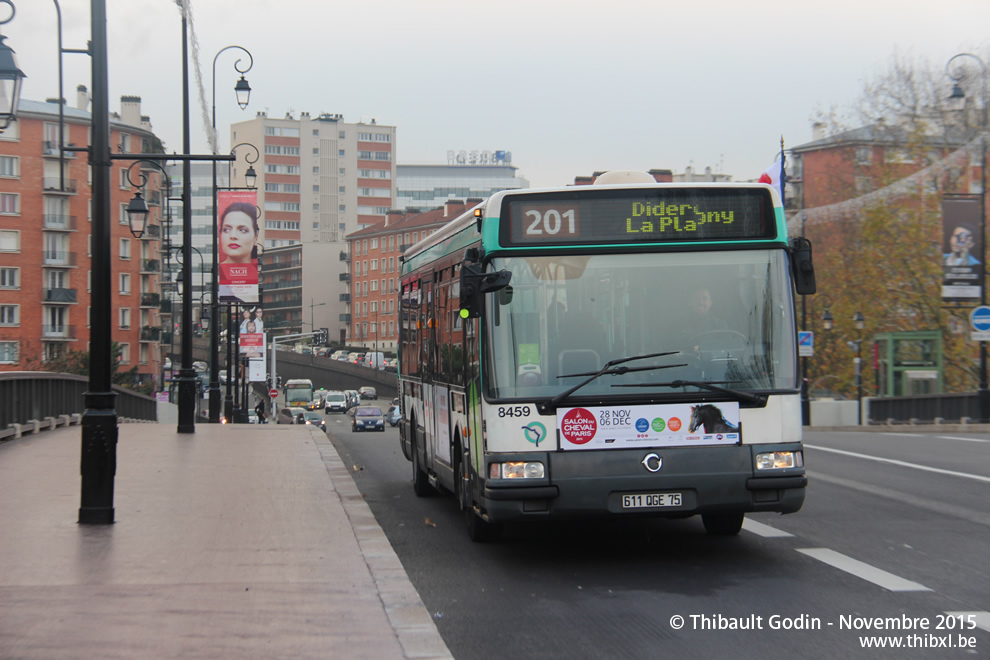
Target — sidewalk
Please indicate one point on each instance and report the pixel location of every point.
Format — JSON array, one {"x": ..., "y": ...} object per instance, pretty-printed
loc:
[{"x": 234, "y": 542}]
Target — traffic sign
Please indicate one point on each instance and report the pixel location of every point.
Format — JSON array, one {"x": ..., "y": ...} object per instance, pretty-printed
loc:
[
  {"x": 806, "y": 343},
  {"x": 273, "y": 393},
  {"x": 979, "y": 318}
]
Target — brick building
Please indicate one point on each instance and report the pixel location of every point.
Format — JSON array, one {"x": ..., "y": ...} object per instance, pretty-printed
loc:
[{"x": 46, "y": 235}]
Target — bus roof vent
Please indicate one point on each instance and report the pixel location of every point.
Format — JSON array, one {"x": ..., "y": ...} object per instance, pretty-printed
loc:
[{"x": 625, "y": 176}]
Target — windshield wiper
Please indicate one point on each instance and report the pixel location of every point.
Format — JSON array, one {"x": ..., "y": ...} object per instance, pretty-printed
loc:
[
  {"x": 609, "y": 369},
  {"x": 708, "y": 385}
]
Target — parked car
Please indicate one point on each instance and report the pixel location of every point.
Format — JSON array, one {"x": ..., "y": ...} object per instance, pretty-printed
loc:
[
  {"x": 353, "y": 398},
  {"x": 393, "y": 415},
  {"x": 367, "y": 419},
  {"x": 316, "y": 419},
  {"x": 336, "y": 402},
  {"x": 285, "y": 416},
  {"x": 367, "y": 392}
]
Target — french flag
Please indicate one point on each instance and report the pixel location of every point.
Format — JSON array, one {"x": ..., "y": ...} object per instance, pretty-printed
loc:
[{"x": 774, "y": 175}]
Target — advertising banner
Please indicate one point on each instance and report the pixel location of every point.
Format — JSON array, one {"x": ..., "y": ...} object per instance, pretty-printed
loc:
[
  {"x": 671, "y": 425},
  {"x": 253, "y": 345},
  {"x": 962, "y": 249},
  {"x": 239, "y": 240}
]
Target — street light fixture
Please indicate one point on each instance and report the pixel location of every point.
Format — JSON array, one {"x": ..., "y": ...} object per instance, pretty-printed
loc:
[
  {"x": 137, "y": 215},
  {"x": 827, "y": 320},
  {"x": 956, "y": 75},
  {"x": 11, "y": 77},
  {"x": 242, "y": 90}
]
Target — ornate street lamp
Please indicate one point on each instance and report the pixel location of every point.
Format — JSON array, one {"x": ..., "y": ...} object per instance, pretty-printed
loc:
[
  {"x": 957, "y": 74},
  {"x": 137, "y": 215},
  {"x": 11, "y": 77}
]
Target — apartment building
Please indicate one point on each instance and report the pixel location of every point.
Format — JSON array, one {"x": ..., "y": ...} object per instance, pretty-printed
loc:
[
  {"x": 46, "y": 238},
  {"x": 374, "y": 270}
]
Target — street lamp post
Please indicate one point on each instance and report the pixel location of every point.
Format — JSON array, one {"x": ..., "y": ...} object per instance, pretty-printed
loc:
[
  {"x": 860, "y": 324},
  {"x": 957, "y": 74},
  {"x": 243, "y": 91}
]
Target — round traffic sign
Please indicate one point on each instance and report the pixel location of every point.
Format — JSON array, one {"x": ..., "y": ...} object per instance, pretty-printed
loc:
[
  {"x": 273, "y": 393},
  {"x": 979, "y": 318}
]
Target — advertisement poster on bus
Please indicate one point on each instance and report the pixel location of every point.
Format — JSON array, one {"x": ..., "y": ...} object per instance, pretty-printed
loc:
[
  {"x": 239, "y": 239},
  {"x": 671, "y": 425},
  {"x": 962, "y": 249}
]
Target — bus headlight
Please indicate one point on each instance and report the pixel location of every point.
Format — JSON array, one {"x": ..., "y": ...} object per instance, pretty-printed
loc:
[
  {"x": 516, "y": 470},
  {"x": 779, "y": 460}
]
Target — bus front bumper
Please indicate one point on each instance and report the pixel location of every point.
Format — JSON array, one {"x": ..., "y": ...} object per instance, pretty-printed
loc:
[{"x": 591, "y": 484}]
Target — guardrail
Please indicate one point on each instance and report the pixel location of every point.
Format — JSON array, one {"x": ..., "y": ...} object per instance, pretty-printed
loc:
[{"x": 36, "y": 400}]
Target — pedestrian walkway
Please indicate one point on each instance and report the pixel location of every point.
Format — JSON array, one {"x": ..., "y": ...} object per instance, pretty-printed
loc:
[{"x": 238, "y": 541}]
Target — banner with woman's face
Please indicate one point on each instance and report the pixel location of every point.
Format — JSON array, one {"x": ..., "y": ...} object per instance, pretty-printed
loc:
[{"x": 239, "y": 240}]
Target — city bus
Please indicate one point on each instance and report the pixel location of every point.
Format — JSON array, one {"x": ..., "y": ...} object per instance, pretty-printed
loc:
[
  {"x": 558, "y": 359},
  {"x": 298, "y": 392}
]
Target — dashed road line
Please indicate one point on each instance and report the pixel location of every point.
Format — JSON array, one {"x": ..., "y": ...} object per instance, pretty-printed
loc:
[
  {"x": 955, "y": 437},
  {"x": 766, "y": 531},
  {"x": 888, "y": 581},
  {"x": 893, "y": 461},
  {"x": 982, "y": 619}
]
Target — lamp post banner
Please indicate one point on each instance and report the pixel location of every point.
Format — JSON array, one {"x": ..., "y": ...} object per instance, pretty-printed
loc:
[
  {"x": 962, "y": 249},
  {"x": 240, "y": 235}
]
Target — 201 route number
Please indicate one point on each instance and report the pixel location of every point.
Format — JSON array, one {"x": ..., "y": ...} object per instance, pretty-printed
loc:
[{"x": 551, "y": 223}]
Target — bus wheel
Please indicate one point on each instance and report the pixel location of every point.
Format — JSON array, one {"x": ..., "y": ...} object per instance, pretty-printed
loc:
[
  {"x": 421, "y": 483},
  {"x": 480, "y": 530},
  {"x": 722, "y": 524}
]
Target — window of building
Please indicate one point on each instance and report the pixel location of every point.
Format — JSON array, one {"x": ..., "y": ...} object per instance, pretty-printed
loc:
[
  {"x": 864, "y": 155},
  {"x": 8, "y": 352},
  {"x": 125, "y": 353},
  {"x": 125, "y": 248},
  {"x": 9, "y": 278},
  {"x": 10, "y": 240},
  {"x": 125, "y": 283},
  {"x": 125, "y": 318},
  {"x": 316, "y": 188},
  {"x": 366, "y": 137},
  {"x": 9, "y": 314},
  {"x": 9, "y": 203},
  {"x": 10, "y": 166},
  {"x": 316, "y": 169},
  {"x": 374, "y": 244},
  {"x": 340, "y": 153},
  {"x": 374, "y": 264},
  {"x": 272, "y": 187},
  {"x": 316, "y": 226},
  {"x": 383, "y": 155},
  {"x": 316, "y": 151},
  {"x": 342, "y": 171},
  {"x": 342, "y": 189}
]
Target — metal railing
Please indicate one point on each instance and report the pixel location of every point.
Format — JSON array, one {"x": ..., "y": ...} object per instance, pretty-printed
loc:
[
  {"x": 40, "y": 395},
  {"x": 55, "y": 183}
]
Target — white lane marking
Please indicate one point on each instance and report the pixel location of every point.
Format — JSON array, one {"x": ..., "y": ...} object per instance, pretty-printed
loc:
[
  {"x": 765, "y": 531},
  {"x": 982, "y": 619},
  {"x": 892, "y": 461},
  {"x": 953, "y": 437},
  {"x": 869, "y": 573},
  {"x": 906, "y": 435}
]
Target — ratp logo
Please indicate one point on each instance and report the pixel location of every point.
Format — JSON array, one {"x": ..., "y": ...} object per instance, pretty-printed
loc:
[{"x": 535, "y": 432}]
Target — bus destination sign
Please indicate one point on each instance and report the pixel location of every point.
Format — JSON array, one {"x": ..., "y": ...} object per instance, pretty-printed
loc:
[{"x": 658, "y": 215}]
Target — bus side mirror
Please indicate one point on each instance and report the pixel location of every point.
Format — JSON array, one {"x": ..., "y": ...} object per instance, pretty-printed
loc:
[
  {"x": 475, "y": 284},
  {"x": 802, "y": 266}
]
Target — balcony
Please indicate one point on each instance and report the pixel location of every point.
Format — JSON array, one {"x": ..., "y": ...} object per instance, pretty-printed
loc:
[
  {"x": 166, "y": 307},
  {"x": 345, "y": 297},
  {"x": 288, "y": 284},
  {"x": 150, "y": 333},
  {"x": 60, "y": 295},
  {"x": 54, "y": 184},
  {"x": 283, "y": 304},
  {"x": 345, "y": 277},
  {"x": 345, "y": 256},
  {"x": 168, "y": 338},
  {"x": 61, "y": 331},
  {"x": 344, "y": 318},
  {"x": 50, "y": 148},
  {"x": 150, "y": 299},
  {"x": 57, "y": 258},
  {"x": 282, "y": 265},
  {"x": 59, "y": 222},
  {"x": 152, "y": 231},
  {"x": 150, "y": 266}
]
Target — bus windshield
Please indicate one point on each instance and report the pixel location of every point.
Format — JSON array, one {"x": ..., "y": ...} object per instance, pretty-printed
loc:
[{"x": 726, "y": 315}]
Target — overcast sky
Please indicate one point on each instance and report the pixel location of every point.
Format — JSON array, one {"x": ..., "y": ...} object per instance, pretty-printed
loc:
[{"x": 568, "y": 86}]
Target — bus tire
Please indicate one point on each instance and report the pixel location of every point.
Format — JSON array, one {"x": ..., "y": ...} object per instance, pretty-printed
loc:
[
  {"x": 421, "y": 483},
  {"x": 480, "y": 530},
  {"x": 722, "y": 524}
]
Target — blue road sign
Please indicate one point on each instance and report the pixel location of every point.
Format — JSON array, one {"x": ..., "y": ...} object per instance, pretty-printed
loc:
[
  {"x": 979, "y": 318},
  {"x": 806, "y": 343}
]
